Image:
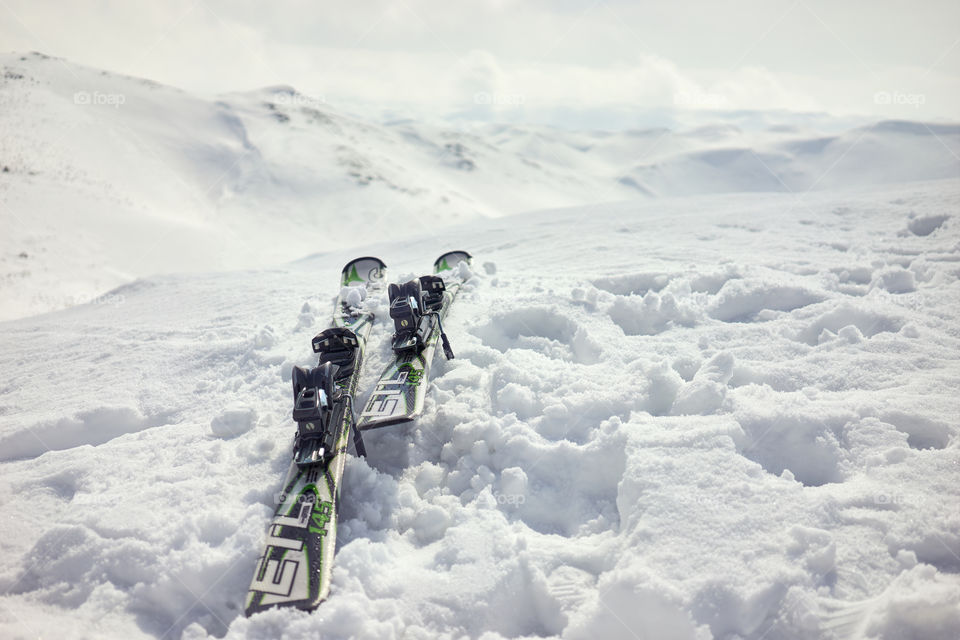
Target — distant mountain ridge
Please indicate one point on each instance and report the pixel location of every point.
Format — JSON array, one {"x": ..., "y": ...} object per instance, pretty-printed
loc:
[{"x": 105, "y": 178}]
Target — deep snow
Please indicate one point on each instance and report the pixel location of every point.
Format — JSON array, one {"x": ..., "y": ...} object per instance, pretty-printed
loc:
[{"x": 728, "y": 416}]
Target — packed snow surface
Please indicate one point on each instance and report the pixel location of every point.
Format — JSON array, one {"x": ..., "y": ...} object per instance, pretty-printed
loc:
[{"x": 702, "y": 417}]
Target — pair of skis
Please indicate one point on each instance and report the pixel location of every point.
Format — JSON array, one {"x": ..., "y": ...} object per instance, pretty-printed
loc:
[{"x": 296, "y": 566}]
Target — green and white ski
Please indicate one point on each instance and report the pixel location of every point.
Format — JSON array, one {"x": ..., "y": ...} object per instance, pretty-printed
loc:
[
  {"x": 296, "y": 566},
  {"x": 418, "y": 309}
]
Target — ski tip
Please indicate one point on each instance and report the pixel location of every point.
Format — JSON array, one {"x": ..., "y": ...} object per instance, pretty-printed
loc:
[
  {"x": 451, "y": 259},
  {"x": 380, "y": 262},
  {"x": 364, "y": 269}
]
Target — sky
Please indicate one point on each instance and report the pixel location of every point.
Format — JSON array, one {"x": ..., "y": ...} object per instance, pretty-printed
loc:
[{"x": 574, "y": 62}]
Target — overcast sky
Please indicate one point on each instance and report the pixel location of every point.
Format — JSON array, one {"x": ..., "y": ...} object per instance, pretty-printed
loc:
[{"x": 427, "y": 58}]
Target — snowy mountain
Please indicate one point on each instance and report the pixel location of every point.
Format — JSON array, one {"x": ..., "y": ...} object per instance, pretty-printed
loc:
[
  {"x": 138, "y": 171},
  {"x": 694, "y": 413}
]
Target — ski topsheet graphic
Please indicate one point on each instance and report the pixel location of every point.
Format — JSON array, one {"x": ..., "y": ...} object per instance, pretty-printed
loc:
[
  {"x": 296, "y": 566},
  {"x": 417, "y": 308}
]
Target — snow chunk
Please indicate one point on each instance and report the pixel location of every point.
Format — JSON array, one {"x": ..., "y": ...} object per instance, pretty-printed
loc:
[
  {"x": 922, "y": 432},
  {"x": 816, "y": 547},
  {"x": 712, "y": 282},
  {"x": 635, "y": 284},
  {"x": 513, "y": 486},
  {"x": 429, "y": 476},
  {"x": 541, "y": 329},
  {"x": 700, "y": 397},
  {"x": 790, "y": 438},
  {"x": 910, "y": 330},
  {"x": 869, "y": 323},
  {"x": 925, "y": 225},
  {"x": 921, "y": 603},
  {"x": 705, "y": 393},
  {"x": 651, "y": 314},
  {"x": 895, "y": 279},
  {"x": 430, "y": 523},
  {"x": 353, "y": 295},
  {"x": 265, "y": 338},
  {"x": 664, "y": 384},
  {"x": 743, "y": 301},
  {"x": 588, "y": 296},
  {"x": 850, "y": 333},
  {"x": 233, "y": 422},
  {"x": 907, "y": 559},
  {"x": 518, "y": 399},
  {"x": 635, "y": 601},
  {"x": 464, "y": 272}
]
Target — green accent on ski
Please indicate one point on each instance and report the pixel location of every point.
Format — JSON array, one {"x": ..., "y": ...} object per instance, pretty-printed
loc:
[
  {"x": 353, "y": 276},
  {"x": 443, "y": 266},
  {"x": 320, "y": 518},
  {"x": 414, "y": 375}
]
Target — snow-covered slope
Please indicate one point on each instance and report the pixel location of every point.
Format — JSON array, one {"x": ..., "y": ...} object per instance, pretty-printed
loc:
[
  {"x": 727, "y": 158},
  {"x": 106, "y": 178},
  {"x": 728, "y": 416}
]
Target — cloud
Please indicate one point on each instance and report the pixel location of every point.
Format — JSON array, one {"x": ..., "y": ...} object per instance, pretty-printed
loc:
[
  {"x": 506, "y": 59},
  {"x": 479, "y": 71}
]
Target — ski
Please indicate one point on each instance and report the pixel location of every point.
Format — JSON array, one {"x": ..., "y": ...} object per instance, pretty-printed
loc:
[
  {"x": 417, "y": 308},
  {"x": 296, "y": 566}
]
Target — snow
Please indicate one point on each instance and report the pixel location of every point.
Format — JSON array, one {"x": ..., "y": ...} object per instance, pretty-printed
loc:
[
  {"x": 724, "y": 415},
  {"x": 101, "y": 174}
]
